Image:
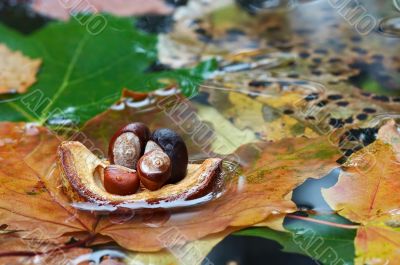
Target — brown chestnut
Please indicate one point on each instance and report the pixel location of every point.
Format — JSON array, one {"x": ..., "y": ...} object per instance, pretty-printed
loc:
[
  {"x": 154, "y": 169},
  {"x": 127, "y": 144},
  {"x": 174, "y": 146},
  {"x": 120, "y": 180}
]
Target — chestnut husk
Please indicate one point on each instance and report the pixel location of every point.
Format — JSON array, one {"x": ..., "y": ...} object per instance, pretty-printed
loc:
[{"x": 80, "y": 183}]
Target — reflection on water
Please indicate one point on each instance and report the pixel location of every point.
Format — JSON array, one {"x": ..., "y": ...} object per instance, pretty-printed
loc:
[
  {"x": 390, "y": 26},
  {"x": 97, "y": 256}
]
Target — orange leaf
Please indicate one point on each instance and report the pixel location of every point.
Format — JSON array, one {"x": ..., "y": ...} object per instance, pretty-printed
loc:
[
  {"x": 29, "y": 199},
  {"x": 28, "y": 247},
  {"x": 260, "y": 191},
  {"x": 367, "y": 193},
  {"x": 30, "y": 180}
]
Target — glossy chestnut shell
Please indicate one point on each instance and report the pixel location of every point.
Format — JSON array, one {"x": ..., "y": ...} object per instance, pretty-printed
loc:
[
  {"x": 154, "y": 169},
  {"x": 120, "y": 180},
  {"x": 174, "y": 146},
  {"x": 128, "y": 144}
]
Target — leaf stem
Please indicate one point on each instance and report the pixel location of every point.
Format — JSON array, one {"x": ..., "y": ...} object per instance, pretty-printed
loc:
[{"x": 344, "y": 226}]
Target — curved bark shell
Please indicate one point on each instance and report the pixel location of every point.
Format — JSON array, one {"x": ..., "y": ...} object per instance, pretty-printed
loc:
[{"x": 78, "y": 164}]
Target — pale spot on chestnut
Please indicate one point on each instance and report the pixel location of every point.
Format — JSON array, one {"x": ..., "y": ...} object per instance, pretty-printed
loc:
[
  {"x": 128, "y": 144},
  {"x": 126, "y": 150}
]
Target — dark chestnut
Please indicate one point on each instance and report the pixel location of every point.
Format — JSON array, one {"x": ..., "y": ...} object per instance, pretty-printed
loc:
[
  {"x": 154, "y": 169},
  {"x": 174, "y": 146},
  {"x": 120, "y": 180},
  {"x": 127, "y": 144}
]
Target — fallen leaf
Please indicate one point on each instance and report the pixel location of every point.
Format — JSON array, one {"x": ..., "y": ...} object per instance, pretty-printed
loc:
[
  {"x": 41, "y": 218},
  {"x": 26, "y": 164},
  {"x": 63, "y": 10},
  {"x": 29, "y": 178},
  {"x": 193, "y": 252},
  {"x": 34, "y": 250},
  {"x": 259, "y": 113},
  {"x": 366, "y": 194},
  {"x": 190, "y": 253},
  {"x": 17, "y": 72},
  {"x": 260, "y": 191}
]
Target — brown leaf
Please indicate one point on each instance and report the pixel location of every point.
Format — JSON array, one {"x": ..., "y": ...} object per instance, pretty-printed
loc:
[
  {"x": 63, "y": 9},
  {"x": 17, "y": 72},
  {"x": 269, "y": 172},
  {"x": 196, "y": 251},
  {"x": 36, "y": 251},
  {"x": 366, "y": 193},
  {"x": 27, "y": 160},
  {"x": 260, "y": 191}
]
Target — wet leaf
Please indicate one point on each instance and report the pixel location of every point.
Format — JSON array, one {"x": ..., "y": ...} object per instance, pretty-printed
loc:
[
  {"x": 78, "y": 60},
  {"x": 191, "y": 253},
  {"x": 270, "y": 170},
  {"x": 34, "y": 250},
  {"x": 27, "y": 155},
  {"x": 365, "y": 194},
  {"x": 29, "y": 178}
]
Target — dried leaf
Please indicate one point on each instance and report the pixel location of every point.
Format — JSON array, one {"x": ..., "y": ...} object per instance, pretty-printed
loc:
[
  {"x": 62, "y": 10},
  {"x": 366, "y": 193},
  {"x": 193, "y": 252},
  {"x": 27, "y": 156},
  {"x": 261, "y": 191},
  {"x": 47, "y": 251},
  {"x": 17, "y": 72}
]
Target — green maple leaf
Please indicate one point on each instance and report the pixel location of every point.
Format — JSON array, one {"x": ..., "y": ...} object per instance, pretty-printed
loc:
[{"x": 83, "y": 74}]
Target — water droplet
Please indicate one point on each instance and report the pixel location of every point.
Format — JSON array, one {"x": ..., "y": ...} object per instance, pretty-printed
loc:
[
  {"x": 31, "y": 129},
  {"x": 166, "y": 92},
  {"x": 118, "y": 106},
  {"x": 241, "y": 183},
  {"x": 139, "y": 104},
  {"x": 390, "y": 26}
]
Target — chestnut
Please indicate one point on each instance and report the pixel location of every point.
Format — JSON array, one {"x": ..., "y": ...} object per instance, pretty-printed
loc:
[
  {"x": 154, "y": 169},
  {"x": 174, "y": 146},
  {"x": 120, "y": 180},
  {"x": 127, "y": 144}
]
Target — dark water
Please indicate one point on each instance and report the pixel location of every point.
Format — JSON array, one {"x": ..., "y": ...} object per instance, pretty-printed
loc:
[{"x": 19, "y": 16}]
